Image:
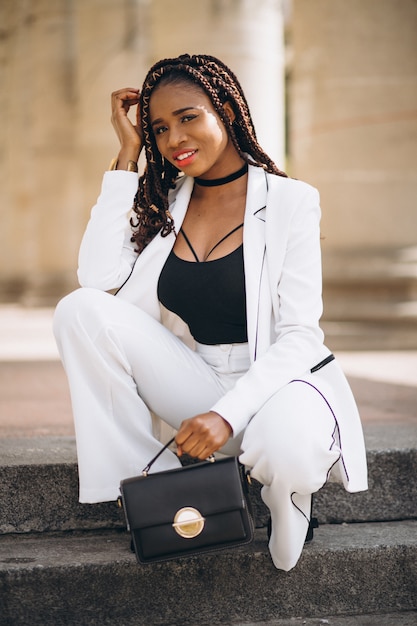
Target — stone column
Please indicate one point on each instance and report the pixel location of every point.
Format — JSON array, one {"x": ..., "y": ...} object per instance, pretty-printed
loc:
[
  {"x": 248, "y": 37},
  {"x": 353, "y": 134}
]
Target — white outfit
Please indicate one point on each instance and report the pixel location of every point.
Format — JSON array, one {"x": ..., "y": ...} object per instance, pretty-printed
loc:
[{"x": 126, "y": 356}]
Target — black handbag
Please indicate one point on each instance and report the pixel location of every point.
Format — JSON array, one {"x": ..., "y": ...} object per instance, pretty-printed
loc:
[{"x": 190, "y": 510}]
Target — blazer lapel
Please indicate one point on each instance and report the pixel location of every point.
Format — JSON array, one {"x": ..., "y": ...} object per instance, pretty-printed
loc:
[
  {"x": 182, "y": 199},
  {"x": 254, "y": 250}
]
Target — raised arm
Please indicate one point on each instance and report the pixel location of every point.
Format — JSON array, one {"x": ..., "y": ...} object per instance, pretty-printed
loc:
[{"x": 106, "y": 254}]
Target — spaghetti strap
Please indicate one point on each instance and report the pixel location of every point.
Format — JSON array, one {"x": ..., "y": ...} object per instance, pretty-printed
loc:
[
  {"x": 223, "y": 238},
  {"x": 189, "y": 244},
  {"x": 213, "y": 248}
]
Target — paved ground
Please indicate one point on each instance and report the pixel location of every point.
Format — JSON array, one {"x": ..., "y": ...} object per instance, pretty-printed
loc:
[{"x": 34, "y": 398}]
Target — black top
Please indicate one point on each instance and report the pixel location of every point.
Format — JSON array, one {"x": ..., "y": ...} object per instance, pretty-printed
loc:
[{"x": 208, "y": 296}]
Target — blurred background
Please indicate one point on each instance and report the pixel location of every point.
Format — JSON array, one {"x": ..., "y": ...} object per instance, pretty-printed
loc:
[{"x": 332, "y": 86}]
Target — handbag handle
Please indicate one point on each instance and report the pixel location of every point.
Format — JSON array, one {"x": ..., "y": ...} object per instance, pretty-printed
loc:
[{"x": 146, "y": 469}]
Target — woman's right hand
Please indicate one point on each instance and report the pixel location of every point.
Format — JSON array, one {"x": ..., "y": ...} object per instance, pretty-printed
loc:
[{"x": 129, "y": 134}]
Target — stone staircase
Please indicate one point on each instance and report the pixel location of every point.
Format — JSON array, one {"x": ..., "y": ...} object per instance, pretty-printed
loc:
[
  {"x": 63, "y": 563},
  {"x": 370, "y": 298}
]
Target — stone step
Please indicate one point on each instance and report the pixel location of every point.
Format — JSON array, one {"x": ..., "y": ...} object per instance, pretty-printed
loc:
[
  {"x": 408, "y": 618},
  {"x": 39, "y": 486},
  {"x": 369, "y": 334},
  {"x": 370, "y": 299},
  {"x": 93, "y": 578}
]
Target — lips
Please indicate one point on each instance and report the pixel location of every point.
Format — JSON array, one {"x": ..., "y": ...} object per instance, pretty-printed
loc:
[{"x": 184, "y": 157}]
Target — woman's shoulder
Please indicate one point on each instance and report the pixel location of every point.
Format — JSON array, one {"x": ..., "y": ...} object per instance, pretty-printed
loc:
[
  {"x": 289, "y": 185},
  {"x": 295, "y": 199}
]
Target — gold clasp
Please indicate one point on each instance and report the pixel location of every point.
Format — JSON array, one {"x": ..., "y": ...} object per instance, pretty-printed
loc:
[{"x": 188, "y": 522}]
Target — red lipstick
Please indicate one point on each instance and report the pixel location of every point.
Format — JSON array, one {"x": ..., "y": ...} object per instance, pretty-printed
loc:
[{"x": 183, "y": 158}]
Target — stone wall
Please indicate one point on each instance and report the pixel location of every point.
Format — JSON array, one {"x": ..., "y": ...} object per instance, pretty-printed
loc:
[
  {"x": 354, "y": 117},
  {"x": 353, "y": 134}
]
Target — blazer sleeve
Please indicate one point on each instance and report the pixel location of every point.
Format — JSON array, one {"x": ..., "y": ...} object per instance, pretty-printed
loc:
[
  {"x": 107, "y": 255},
  {"x": 297, "y": 340}
]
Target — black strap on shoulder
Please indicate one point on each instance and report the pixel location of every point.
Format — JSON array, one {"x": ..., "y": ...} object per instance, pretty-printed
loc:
[{"x": 213, "y": 248}]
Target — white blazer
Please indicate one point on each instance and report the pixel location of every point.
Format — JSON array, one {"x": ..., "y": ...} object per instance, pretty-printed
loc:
[{"x": 282, "y": 258}]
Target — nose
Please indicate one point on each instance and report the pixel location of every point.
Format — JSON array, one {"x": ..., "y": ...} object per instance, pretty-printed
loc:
[{"x": 176, "y": 136}]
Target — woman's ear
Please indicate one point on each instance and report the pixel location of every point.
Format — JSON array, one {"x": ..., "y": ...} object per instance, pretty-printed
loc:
[{"x": 228, "y": 109}]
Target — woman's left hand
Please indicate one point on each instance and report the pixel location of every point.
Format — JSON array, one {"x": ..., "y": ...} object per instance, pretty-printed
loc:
[{"x": 202, "y": 435}]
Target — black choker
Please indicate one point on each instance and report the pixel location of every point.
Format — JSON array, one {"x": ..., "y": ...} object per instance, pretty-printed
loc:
[{"x": 214, "y": 182}]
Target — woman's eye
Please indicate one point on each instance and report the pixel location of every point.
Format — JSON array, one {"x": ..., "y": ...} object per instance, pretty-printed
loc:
[
  {"x": 188, "y": 118},
  {"x": 159, "y": 130}
]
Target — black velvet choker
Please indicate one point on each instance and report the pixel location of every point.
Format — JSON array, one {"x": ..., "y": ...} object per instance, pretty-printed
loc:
[{"x": 215, "y": 182}]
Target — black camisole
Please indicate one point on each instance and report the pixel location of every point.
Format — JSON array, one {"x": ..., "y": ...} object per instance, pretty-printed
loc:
[{"x": 209, "y": 296}]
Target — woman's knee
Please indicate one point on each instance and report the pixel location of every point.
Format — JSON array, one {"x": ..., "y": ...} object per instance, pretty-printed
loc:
[
  {"x": 290, "y": 467},
  {"x": 75, "y": 306},
  {"x": 292, "y": 440}
]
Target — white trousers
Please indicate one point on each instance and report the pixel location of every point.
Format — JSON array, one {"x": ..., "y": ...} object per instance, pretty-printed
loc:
[{"x": 122, "y": 365}]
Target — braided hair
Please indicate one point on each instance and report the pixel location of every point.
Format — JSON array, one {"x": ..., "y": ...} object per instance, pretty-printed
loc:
[{"x": 221, "y": 85}]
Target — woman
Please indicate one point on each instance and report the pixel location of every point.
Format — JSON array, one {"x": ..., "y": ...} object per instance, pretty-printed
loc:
[{"x": 215, "y": 323}]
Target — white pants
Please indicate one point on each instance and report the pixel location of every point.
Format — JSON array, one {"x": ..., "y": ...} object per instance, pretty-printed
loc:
[{"x": 122, "y": 364}]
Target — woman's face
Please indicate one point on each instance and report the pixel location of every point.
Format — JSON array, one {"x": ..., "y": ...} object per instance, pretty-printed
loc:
[{"x": 189, "y": 133}]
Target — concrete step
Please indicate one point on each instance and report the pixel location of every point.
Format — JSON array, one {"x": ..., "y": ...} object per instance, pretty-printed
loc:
[
  {"x": 39, "y": 486},
  {"x": 93, "y": 578}
]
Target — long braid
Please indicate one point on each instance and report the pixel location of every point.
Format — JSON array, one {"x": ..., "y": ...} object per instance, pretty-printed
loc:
[{"x": 220, "y": 84}]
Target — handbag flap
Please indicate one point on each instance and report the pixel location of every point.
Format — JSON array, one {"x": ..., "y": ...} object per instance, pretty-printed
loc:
[{"x": 211, "y": 488}]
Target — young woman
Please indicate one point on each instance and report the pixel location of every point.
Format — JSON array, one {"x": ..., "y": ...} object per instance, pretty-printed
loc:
[{"x": 215, "y": 323}]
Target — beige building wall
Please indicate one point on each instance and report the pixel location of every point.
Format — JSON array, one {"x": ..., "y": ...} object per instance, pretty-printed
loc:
[
  {"x": 352, "y": 77},
  {"x": 59, "y": 62},
  {"x": 353, "y": 134},
  {"x": 354, "y": 116}
]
